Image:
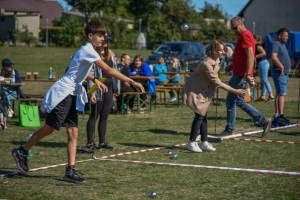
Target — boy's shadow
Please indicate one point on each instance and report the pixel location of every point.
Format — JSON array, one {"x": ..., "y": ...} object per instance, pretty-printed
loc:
[{"x": 43, "y": 144}]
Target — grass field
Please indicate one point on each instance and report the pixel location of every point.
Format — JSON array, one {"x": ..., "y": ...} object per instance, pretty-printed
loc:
[{"x": 165, "y": 126}]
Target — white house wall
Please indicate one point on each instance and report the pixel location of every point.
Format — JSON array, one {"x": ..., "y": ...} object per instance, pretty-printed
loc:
[{"x": 32, "y": 23}]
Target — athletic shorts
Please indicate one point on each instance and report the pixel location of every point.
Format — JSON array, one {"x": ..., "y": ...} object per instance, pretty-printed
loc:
[
  {"x": 280, "y": 82},
  {"x": 64, "y": 114}
]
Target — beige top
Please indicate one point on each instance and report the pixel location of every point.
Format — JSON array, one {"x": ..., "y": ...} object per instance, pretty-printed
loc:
[{"x": 199, "y": 88}]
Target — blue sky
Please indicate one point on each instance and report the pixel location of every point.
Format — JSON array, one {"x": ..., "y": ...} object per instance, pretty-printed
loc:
[{"x": 232, "y": 7}]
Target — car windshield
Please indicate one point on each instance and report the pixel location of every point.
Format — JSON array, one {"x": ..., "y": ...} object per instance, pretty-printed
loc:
[{"x": 169, "y": 48}]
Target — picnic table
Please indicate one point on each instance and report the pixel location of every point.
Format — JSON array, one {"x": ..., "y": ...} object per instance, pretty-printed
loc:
[
  {"x": 169, "y": 86},
  {"x": 145, "y": 79}
]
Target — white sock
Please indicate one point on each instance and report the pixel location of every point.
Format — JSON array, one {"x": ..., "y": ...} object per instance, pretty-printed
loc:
[
  {"x": 205, "y": 143},
  {"x": 276, "y": 115}
]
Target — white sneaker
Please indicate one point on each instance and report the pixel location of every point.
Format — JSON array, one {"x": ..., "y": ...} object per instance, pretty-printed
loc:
[
  {"x": 142, "y": 110},
  {"x": 10, "y": 112},
  {"x": 173, "y": 99},
  {"x": 129, "y": 110},
  {"x": 193, "y": 146},
  {"x": 207, "y": 147}
]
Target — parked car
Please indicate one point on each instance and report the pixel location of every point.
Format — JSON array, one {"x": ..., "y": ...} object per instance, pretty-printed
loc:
[{"x": 190, "y": 54}]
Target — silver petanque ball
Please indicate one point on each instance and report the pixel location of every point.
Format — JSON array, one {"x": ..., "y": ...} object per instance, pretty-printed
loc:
[
  {"x": 184, "y": 27},
  {"x": 169, "y": 153},
  {"x": 153, "y": 194},
  {"x": 175, "y": 155}
]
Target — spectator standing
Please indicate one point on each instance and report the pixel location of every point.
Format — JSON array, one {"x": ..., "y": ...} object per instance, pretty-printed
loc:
[
  {"x": 242, "y": 66},
  {"x": 280, "y": 70},
  {"x": 102, "y": 102},
  {"x": 198, "y": 91},
  {"x": 263, "y": 69}
]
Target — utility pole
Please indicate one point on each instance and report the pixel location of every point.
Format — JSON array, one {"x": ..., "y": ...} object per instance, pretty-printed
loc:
[{"x": 47, "y": 33}]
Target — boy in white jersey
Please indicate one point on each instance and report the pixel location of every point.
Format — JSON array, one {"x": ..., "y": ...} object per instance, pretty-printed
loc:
[{"x": 67, "y": 96}]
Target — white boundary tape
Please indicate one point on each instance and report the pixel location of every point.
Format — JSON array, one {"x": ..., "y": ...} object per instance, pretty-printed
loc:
[
  {"x": 94, "y": 158},
  {"x": 139, "y": 151},
  {"x": 258, "y": 131},
  {"x": 208, "y": 167},
  {"x": 267, "y": 141}
]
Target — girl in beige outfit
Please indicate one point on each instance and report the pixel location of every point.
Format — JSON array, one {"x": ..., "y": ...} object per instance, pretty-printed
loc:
[{"x": 198, "y": 91}]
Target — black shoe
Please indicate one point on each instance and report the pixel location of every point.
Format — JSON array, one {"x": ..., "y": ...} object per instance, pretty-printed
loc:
[
  {"x": 285, "y": 119},
  {"x": 21, "y": 159},
  {"x": 72, "y": 176},
  {"x": 106, "y": 146}
]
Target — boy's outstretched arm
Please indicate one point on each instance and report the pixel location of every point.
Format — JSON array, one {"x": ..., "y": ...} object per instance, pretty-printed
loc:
[
  {"x": 112, "y": 72},
  {"x": 100, "y": 85}
]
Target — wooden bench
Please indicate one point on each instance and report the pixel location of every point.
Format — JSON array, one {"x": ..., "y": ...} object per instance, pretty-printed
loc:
[
  {"x": 166, "y": 87},
  {"x": 123, "y": 111}
]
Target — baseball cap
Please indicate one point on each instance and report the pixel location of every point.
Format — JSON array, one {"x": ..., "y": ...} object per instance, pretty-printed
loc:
[
  {"x": 6, "y": 63},
  {"x": 106, "y": 37}
]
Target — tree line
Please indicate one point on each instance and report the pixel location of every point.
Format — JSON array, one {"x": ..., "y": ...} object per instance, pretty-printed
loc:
[{"x": 160, "y": 22}]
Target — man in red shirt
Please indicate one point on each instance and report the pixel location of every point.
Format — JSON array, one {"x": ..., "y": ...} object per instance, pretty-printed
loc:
[{"x": 242, "y": 67}]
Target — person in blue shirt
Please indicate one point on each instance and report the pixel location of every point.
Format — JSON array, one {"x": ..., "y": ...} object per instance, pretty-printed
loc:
[
  {"x": 174, "y": 78},
  {"x": 141, "y": 68},
  {"x": 159, "y": 71}
]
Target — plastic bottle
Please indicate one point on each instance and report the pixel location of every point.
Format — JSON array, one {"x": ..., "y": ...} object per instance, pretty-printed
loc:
[
  {"x": 13, "y": 76},
  {"x": 50, "y": 73},
  {"x": 30, "y": 152},
  {"x": 178, "y": 66},
  {"x": 186, "y": 66}
]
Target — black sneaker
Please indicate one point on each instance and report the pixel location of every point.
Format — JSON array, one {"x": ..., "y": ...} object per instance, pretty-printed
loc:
[
  {"x": 106, "y": 146},
  {"x": 285, "y": 119},
  {"x": 72, "y": 176},
  {"x": 21, "y": 159}
]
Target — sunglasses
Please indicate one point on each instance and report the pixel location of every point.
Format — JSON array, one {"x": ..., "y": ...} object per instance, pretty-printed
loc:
[{"x": 234, "y": 28}]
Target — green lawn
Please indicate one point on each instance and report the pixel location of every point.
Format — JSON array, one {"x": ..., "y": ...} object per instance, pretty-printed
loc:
[{"x": 165, "y": 126}]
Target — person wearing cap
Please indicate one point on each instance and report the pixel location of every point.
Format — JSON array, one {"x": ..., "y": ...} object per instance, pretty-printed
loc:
[
  {"x": 7, "y": 72},
  {"x": 101, "y": 102}
]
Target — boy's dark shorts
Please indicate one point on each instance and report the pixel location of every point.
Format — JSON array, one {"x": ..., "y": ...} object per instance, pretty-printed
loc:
[{"x": 64, "y": 114}]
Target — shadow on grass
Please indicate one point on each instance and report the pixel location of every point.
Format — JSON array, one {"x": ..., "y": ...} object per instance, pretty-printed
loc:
[
  {"x": 43, "y": 144},
  {"x": 168, "y": 132},
  {"x": 292, "y": 133}
]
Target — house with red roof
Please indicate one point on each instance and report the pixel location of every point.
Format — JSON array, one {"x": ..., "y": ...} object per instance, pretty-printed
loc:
[{"x": 33, "y": 14}]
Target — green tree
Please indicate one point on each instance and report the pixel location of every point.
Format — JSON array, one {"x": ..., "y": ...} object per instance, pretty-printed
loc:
[
  {"x": 212, "y": 11},
  {"x": 215, "y": 29},
  {"x": 176, "y": 13},
  {"x": 145, "y": 11},
  {"x": 71, "y": 33},
  {"x": 89, "y": 6},
  {"x": 24, "y": 36}
]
